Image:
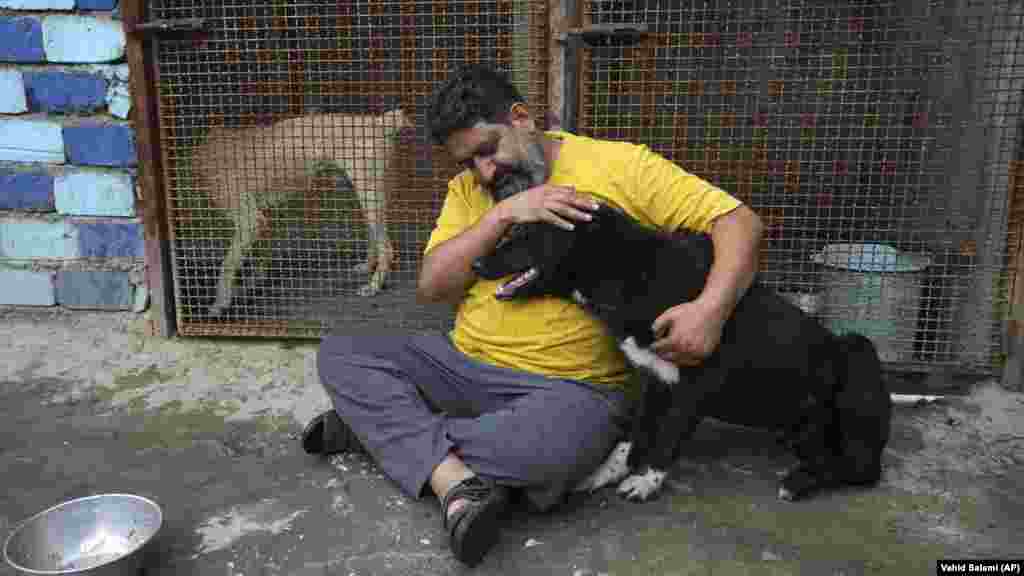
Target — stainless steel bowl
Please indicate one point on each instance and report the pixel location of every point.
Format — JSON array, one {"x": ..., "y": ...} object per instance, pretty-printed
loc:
[{"x": 95, "y": 535}]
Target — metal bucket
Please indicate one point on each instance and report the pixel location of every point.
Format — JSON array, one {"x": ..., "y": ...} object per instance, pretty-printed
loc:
[{"x": 874, "y": 290}]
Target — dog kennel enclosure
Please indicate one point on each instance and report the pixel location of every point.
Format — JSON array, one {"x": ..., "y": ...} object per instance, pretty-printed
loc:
[{"x": 878, "y": 140}]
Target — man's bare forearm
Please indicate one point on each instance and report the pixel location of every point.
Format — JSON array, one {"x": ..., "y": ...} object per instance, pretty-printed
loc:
[
  {"x": 737, "y": 242},
  {"x": 447, "y": 271}
]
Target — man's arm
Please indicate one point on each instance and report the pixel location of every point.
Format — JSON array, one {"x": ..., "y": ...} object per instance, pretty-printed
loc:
[
  {"x": 673, "y": 199},
  {"x": 736, "y": 237},
  {"x": 447, "y": 271}
]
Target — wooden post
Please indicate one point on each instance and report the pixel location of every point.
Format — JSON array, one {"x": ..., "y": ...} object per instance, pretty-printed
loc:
[
  {"x": 558, "y": 15},
  {"x": 145, "y": 121},
  {"x": 521, "y": 46}
]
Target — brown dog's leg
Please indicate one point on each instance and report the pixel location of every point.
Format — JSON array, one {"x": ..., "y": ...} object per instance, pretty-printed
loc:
[
  {"x": 230, "y": 267},
  {"x": 249, "y": 227},
  {"x": 372, "y": 194},
  {"x": 381, "y": 245}
]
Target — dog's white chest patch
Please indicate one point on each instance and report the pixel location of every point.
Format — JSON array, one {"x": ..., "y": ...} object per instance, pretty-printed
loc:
[{"x": 644, "y": 358}]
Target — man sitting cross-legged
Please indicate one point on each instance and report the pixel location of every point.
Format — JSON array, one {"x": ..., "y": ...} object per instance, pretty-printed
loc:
[{"x": 520, "y": 395}]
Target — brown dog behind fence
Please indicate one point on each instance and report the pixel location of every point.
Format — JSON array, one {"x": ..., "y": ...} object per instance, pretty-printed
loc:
[{"x": 250, "y": 171}]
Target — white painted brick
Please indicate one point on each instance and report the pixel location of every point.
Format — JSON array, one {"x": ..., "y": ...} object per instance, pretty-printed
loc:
[
  {"x": 140, "y": 298},
  {"x": 31, "y": 141},
  {"x": 82, "y": 39},
  {"x": 12, "y": 92},
  {"x": 119, "y": 100},
  {"x": 111, "y": 72},
  {"x": 123, "y": 72},
  {"x": 38, "y": 4},
  {"x": 93, "y": 193},
  {"x": 27, "y": 288}
]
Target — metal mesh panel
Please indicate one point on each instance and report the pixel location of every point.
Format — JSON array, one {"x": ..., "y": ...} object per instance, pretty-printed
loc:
[
  {"x": 286, "y": 171},
  {"x": 892, "y": 123}
]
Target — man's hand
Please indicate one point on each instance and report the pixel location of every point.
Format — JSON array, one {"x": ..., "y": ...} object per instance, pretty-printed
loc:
[
  {"x": 690, "y": 332},
  {"x": 547, "y": 203},
  {"x": 687, "y": 333}
]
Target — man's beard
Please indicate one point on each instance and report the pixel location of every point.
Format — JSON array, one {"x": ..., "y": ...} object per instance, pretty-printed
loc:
[{"x": 510, "y": 180}]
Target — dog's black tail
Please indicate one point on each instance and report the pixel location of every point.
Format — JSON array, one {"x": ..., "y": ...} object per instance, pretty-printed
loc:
[{"x": 864, "y": 409}]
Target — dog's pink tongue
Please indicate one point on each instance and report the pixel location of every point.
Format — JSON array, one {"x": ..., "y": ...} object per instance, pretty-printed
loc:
[
  {"x": 507, "y": 289},
  {"x": 503, "y": 291}
]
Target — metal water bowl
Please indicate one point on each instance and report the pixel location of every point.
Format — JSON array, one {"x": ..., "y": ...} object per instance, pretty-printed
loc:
[{"x": 95, "y": 535}]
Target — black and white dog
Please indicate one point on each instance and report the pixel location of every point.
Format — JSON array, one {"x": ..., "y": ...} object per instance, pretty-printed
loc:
[{"x": 775, "y": 367}]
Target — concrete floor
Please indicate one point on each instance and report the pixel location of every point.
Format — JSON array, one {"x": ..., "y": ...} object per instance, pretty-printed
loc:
[{"x": 208, "y": 428}]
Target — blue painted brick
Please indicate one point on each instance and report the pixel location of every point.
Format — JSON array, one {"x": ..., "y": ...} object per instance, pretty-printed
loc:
[
  {"x": 34, "y": 239},
  {"x": 21, "y": 40},
  {"x": 97, "y": 4},
  {"x": 27, "y": 288},
  {"x": 26, "y": 191},
  {"x": 100, "y": 145},
  {"x": 93, "y": 289},
  {"x": 64, "y": 92},
  {"x": 109, "y": 239}
]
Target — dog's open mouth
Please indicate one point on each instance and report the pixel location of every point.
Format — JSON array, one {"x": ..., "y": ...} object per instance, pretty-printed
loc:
[{"x": 508, "y": 289}]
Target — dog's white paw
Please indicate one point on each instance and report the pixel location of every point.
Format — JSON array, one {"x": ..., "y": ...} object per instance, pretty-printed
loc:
[
  {"x": 219, "y": 306},
  {"x": 642, "y": 486},
  {"x": 369, "y": 289},
  {"x": 374, "y": 285},
  {"x": 612, "y": 470}
]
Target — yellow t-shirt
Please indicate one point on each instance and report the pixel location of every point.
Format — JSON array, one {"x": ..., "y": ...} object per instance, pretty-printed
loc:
[{"x": 553, "y": 336}]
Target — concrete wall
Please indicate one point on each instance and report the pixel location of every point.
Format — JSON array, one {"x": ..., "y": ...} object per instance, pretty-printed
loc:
[{"x": 70, "y": 231}]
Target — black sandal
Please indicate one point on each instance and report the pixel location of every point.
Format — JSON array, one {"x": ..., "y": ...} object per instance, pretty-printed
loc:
[
  {"x": 327, "y": 434},
  {"x": 473, "y": 529}
]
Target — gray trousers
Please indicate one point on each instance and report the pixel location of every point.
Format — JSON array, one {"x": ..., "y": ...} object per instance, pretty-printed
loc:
[{"x": 411, "y": 398}]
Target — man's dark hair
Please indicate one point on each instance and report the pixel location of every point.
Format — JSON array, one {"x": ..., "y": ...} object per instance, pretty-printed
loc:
[{"x": 473, "y": 93}]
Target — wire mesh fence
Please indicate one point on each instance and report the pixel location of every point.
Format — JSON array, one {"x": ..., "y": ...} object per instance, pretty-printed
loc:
[
  {"x": 875, "y": 139},
  {"x": 878, "y": 141},
  {"x": 301, "y": 185}
]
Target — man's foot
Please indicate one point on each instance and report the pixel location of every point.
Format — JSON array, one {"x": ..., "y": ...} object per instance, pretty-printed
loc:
[
  {"x": 327, "y": 434},
  {"x": 472, "y": 510}
]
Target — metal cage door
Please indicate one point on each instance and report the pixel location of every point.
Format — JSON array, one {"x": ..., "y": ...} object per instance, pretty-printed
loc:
[{"x": 300, "y": 185}]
